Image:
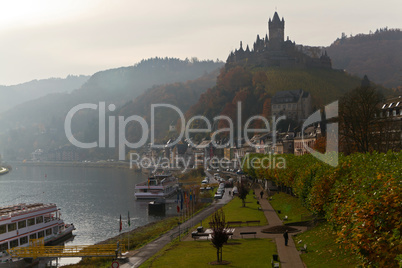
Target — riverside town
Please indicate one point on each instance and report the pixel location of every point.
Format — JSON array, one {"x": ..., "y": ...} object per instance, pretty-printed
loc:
[{"x": 136, "y": 134}]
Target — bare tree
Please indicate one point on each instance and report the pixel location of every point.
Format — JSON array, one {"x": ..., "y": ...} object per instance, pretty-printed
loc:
[
  {"x": 359, "y": 115},
  {"x": 219, "y": 235}
]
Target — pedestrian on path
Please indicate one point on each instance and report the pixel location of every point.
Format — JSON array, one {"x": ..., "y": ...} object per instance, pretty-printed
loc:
[
  {"x": 262, "y": 193},
  {"x": 286, "y": 236}
]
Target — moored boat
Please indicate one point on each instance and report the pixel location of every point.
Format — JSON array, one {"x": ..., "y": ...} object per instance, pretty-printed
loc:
[
  {"x": 158, "y": 186},
  {"x": 22, "y": 223}
]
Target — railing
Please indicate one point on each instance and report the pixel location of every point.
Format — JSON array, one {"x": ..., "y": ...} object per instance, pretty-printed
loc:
[{"x": 37, "y": 249}]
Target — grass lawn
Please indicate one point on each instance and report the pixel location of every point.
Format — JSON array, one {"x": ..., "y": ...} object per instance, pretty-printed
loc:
[
  {"x": 138, "y": 237},
  {"x": 234, "y": 211},
  {"x": 322, "y": 251},
  {"x": 289, "y": 206},
  {"x": 240, "y": 252}
]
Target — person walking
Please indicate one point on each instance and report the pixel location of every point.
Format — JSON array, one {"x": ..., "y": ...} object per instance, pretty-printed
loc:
[
  {"x": 262, "y": 193},
  {"x": 286, "y": 236}
]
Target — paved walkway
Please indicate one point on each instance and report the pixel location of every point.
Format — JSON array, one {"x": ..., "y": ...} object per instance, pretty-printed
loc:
[
  {"x": 289, "y": 255},
  {"x": 140, "y": 255}
]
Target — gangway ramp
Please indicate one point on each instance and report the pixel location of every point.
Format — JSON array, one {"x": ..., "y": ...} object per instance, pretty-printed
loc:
[{"x": 41, "y": 251}]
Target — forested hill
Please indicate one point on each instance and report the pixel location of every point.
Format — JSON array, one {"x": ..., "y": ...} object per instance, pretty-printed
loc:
[
  {"x": 255, "y": 87},
  {"x": 17, "y": 94},
  {"x": 40, "y": 123},
  {"x": 115, "y": 86},
  {"x": 379, "y": 55},
  {"x": 181, "y": 95}
]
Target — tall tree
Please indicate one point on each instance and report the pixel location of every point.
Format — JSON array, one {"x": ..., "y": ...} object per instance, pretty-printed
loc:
[
  {"x": 243, "y": 192},
  {"x": 359, "y": 116},
  {"x": 219, "y": 235}
]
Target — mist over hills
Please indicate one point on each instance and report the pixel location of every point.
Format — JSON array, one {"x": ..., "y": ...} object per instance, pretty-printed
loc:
[
  {"x": 17, "y": 94},
  {"x": 39, "y": 123},
  {"x": 194, "y": 86}
]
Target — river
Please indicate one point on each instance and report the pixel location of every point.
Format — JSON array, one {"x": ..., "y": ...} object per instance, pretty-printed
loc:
[{"x": 91, "y": 198}]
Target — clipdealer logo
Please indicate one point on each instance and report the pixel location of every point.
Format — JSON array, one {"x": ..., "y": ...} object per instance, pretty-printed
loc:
[{"x": 148, "y": 132}]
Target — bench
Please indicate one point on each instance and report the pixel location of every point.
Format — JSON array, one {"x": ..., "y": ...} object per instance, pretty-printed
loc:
[
  {"x": 247, "y": 233},
  {"x": 197, "y": 235},
  {"x": 248, "y": 222},
  {"x": 233, "y": 223},
  {"x": 304, "y": 249},
  {"x": 230, "y": 235},
  {"x": 274, "y": 264}
]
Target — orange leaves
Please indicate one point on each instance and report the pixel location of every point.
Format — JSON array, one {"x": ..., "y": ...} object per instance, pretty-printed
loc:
[{"x": 361, "y": 198}]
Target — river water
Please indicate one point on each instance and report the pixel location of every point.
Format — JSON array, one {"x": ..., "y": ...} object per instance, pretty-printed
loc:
[{"x": 91, "y": 198}]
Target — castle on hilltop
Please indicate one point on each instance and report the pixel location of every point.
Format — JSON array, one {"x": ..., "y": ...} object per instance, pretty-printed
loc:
[{"x": 275, "y": 51}]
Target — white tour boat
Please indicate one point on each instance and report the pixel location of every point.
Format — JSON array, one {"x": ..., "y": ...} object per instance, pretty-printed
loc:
[
  {"x": 21, "y": 223},
  {"x": 158, "y": 186}
]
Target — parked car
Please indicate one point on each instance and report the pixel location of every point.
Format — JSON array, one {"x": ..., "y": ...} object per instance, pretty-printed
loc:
[{"x": 219, "y": 194}]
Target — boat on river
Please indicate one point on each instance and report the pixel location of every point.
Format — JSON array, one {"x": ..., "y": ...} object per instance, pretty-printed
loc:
[
  {"x": 160, "y": 185},
  {"x": 23, "y": 223}
]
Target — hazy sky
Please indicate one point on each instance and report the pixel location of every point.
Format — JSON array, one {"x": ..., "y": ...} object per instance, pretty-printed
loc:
[{"x": 51, "y": 38}]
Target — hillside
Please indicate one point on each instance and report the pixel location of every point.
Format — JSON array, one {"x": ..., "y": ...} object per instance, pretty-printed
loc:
[
  {"x": 40, "y": 123},
  {"x": 254, "y": 88},
  {"x": 379, "y": 55},
  {"x": 181, "y": 95},
  {"x": 115, "y": 86},
  {"x": 17, "y": 94}
]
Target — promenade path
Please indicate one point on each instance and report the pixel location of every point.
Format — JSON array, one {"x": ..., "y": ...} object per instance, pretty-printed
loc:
[
  {"x": 289, "y": 256},
  {"x": 139, "y": 256}
]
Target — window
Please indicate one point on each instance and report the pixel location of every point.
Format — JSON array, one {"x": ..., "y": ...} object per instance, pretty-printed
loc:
[
  {"x": 32, "y": 236},
  {"x": 31, "y": 222},
  {"x": 394, "y": 112},
  {"x": 12, "y": 227},
  {"x": 384, "y": 106},
  {"x": 22, "y": 224},
  {"x": 3, "y": 229},
  {"x": 397, "y": 104},
  {"x": 400, "y": 112},
  {"x": 48, "y": 231},
  {"x": 3, "y": 246},
  {"x": 390, "y": 105},
  {"x": 387, "y": 113},
  {"x": 39, "y": 219},
  {"x": 24, "y": 240},
  {"x": 14, "y": 243},
  {"x": 41, "y": 234}
]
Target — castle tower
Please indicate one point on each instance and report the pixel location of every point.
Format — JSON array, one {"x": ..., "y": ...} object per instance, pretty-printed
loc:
[{"x": 276, "y": 29}]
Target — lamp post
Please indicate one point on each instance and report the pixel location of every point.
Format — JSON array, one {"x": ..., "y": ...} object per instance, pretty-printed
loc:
[{"x": 178, "y": 223}]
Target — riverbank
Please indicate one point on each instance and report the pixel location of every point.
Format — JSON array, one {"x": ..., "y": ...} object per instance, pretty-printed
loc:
[
  {"x": 99, "y": 164},
  {"x": 136, "y": 238}
]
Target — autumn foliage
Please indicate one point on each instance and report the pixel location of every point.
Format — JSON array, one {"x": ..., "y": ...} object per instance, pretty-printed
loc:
[{"x": 361, "y": 199}]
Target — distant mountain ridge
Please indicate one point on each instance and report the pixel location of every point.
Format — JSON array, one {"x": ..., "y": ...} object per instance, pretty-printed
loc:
[
  {"x": 17, "y": 94},
  {"x": 39, "y": 123},
  {"x": 378, "y": 55}
]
